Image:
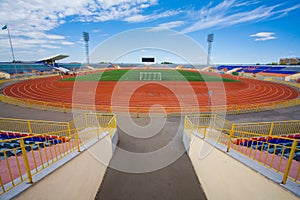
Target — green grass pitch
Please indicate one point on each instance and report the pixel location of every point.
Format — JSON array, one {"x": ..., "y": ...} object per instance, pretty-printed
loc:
[{"x": 134, "y": 75}]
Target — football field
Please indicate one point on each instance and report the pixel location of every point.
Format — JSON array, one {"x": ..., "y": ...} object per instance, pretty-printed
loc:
[{"x": 149, "y": 75}]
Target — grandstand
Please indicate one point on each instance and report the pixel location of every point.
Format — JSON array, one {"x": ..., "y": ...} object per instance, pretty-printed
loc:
[
  {"x": 256, "y": 69},
  {"x": 46, "y": 66},
  {"x": 23, "y": 68},
  {"x": 272, "y": 72},
  {"x": 217, "y": 154},
  {"x": 33, "y": 68}
]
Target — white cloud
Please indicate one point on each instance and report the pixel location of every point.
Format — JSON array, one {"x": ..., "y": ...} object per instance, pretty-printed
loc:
[
  {"x": 107, "y": 4},
  {"x": 49, "y": 46},
  {"x": 262, "y": 36},
  {"x": 168, "y": 25},
  {"x": 31, "y": 21},
  {"x": 151, "y": 17},
  {"x": 67, "y": 43},
  {"x": 231, "y": 12},
  {"x": 137, "y": 18}
]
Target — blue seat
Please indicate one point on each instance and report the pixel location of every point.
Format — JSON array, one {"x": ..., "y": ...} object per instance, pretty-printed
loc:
[
  {"x": 282, "y": 141},
  {"x": 272, "y": 148},
  {"x": 4, "y": 136},
  {"x": 245, "y": 143},
  {"x": 28, "y": 142},
  {"x": 28, "y": 148},
  {"x": 8, "y": 153},
  {"x": 11, "y": 136},
  {"x": 35, "y": 138},
  {"x": 41, "y": 144},
  {"x": 15, "y": 145},
  {"x": 28, "y": 139},
  {"x": 249, "y": 143},
  {"x": 288, "y": 143},
  {"x": 8, "y": 145},
  {"x": 257, "y": 145},
  {"x": 34, "y": 147},
  {"x": 297, "y": 156},
  {"x": 274, "y": 141},
  {"x": 265, "y": 146},
  {"x": 254, "y": 144},
  {"x": 18, "y": 151},
  {"x": 287, "y": 150},
  {"x": 280, "y": 150}
]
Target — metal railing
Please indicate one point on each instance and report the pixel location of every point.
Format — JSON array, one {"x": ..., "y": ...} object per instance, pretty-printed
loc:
[
  {"x": 34, "y": 126},
  {"x": 139, "y": 111},
  {"x": 270, "y": 128},
  {"x": 32, "y": 145},
  {"x": 275, "y": 145},
  {"x": 22, "y": 158}
]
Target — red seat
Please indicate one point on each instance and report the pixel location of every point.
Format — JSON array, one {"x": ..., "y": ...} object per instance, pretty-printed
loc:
[
  {"x": 24, "y": 134},
  {"x": 18, "y": 134},
  {"x": 48, "y": 137}
]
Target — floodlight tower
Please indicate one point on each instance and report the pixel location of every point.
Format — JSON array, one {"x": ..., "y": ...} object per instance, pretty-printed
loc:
[
  {"x": 11, "y": 47},
  {"x": 210, "y": 39},
  {"x": 86, "y": 39}
]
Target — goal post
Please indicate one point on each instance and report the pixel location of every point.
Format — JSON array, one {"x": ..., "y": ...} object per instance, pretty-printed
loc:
[{"x": 150, "y": 76}]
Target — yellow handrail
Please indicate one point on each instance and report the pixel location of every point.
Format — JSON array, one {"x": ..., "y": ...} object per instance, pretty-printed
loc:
[
  {"x": 59, "y": 140},
  {"x": 67, "y": 107},
  {"x": 257, "y": 143}
]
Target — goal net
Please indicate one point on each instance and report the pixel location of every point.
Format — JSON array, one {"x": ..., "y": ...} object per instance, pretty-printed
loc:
[{"x": 150, "y": 76}]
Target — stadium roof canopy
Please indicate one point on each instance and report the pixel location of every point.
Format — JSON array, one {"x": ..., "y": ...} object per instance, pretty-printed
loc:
[{"x": 53, "y": 58}]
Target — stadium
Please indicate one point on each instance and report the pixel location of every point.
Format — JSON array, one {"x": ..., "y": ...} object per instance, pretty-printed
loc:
[
  {"x": 208, "y": 102},
  {"x": 60, "y": 91},
  {"x": 149, "y": 100}
]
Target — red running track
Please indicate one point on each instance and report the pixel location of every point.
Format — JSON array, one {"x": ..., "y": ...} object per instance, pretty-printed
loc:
[{"x": 146, "y": 94}]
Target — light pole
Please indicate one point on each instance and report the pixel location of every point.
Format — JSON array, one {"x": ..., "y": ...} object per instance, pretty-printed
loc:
[
  {"x": 11, "y": 47},
  {"x": 210, "y": 39},
  {"x": 86, "y": 39},
  {"x": 209, "y": 97}
]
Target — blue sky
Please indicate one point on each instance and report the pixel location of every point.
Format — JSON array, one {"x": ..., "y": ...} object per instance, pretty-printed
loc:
[{"x": 245, "y": 31}]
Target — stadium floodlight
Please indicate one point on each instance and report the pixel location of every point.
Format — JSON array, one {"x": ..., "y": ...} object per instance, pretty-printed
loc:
[
  {"x": 86, "y": 38},
  {"x": 210, "y": 39},
  {"x": 11, "y": 47}
]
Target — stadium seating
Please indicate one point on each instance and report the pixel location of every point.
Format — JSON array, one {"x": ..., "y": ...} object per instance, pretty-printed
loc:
[
  {"x": 25, "y": 68},
  {"x": 272, "y": 145},
  {"x": 262, "y": 69},
  {"x": 31, "y": 141}
]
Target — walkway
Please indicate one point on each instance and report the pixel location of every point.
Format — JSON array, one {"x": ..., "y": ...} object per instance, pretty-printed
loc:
[
  {"x": 283, "y": 114},
  {"x": 175, "y": 181},
  {"x": 18, "y": 112}
]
